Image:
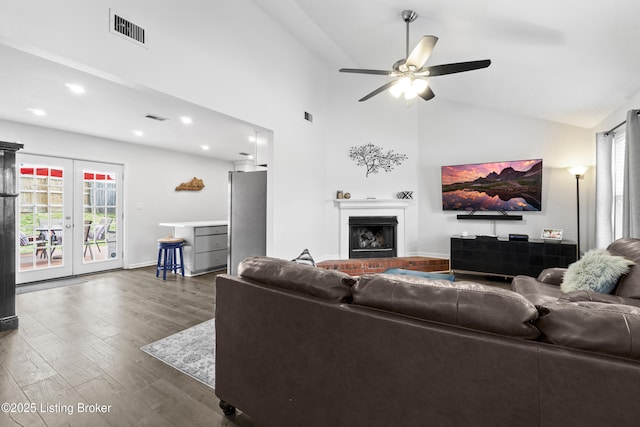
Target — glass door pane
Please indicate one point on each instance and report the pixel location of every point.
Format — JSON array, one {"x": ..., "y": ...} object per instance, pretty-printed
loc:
[
  {"x": 99, "y": 185},
  {"x": 69, "y": 217},
  {"x": 44, "y": 218}
]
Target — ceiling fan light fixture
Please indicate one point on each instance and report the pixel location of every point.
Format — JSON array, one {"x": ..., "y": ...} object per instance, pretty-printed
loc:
[
  {"x": 408, "y": 86},
  {"x": 419, "y": 85},
  {"x": 410, "y": 93},
  {"x": 400, "y": 87},
  {"x": 411, "y": 70},
  {"x": 396, "y": 90}
]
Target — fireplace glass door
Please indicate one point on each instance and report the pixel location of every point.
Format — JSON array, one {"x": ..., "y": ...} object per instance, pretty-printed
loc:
[{"x": 373, "y": 237}]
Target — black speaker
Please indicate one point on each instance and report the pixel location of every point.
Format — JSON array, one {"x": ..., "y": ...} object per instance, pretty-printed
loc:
[{"x": 518, "y": 237}]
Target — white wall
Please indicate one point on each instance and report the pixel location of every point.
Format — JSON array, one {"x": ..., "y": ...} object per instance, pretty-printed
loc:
[
  {"x": 438, "y": 133},
  {"x": 619, "y": 115},
  {"x": 382, "y": 120},
  {"x": 150, "y": 177},
  {"x": 233, "y": 58},
  {"x": 228, "y": 56},
  {"x": 452, "y": 133}
]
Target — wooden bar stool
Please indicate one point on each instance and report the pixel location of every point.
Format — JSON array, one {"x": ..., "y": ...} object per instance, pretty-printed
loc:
[{"x": 168, "y": 249}]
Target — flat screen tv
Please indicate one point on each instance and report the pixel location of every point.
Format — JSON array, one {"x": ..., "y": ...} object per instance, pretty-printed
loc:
[{"x": 497, "y": 186}]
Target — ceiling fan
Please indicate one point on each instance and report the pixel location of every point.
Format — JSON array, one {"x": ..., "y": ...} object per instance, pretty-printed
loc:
[{"x": 410, "y": 73}]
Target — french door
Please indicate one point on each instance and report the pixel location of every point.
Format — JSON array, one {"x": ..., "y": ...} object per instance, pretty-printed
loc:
[{"x": 69, "y": 217}]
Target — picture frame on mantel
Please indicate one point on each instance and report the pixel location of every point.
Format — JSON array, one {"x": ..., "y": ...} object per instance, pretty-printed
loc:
[{"x": 552, "y": 234}]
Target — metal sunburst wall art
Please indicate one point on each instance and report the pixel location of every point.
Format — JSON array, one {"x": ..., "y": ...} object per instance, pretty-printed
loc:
[{"x": 374, "y": 158}]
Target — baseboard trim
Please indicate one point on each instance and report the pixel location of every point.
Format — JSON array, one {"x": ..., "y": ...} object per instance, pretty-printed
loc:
[
  {"x": 7, "y": 323},
  {"x": 140, "y": 265},
  {"x": 429, "y": 254}
]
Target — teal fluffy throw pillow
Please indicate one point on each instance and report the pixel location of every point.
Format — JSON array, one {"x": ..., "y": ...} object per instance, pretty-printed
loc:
[{"x": 597, "y": 270}]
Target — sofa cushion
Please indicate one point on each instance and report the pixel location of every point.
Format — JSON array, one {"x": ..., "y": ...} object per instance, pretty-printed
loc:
[
  {"x": 594, "y": 296},
  {"x": 597, "y": 270},
  {"x": 629, "y": 284},
  {"x": 467, "y": 304},
  {"x": 594, "y": 326},
  {"x": 552, "y": 276},
  {"x": 533, "y": 290},
  {"x": 326, "y": 284}
]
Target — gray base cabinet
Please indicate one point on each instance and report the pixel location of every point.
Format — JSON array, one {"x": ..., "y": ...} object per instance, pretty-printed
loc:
[
  {"x": 206, "y": 245},
  {"x": 209, "y": 248}
]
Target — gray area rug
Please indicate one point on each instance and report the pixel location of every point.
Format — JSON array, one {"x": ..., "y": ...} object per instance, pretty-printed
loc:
[
  {"x": 49, "y": 284},
  {"x": 192, "y": 351}
]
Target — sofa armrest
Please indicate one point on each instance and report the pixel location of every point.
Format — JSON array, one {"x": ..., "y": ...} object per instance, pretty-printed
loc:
[
  {"x": 552, "y": 276},
  {"x": 592, "y": 326},
  {"x": 593, "y": 296}
]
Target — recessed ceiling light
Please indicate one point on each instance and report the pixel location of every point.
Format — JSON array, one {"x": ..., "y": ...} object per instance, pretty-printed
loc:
[
  {"x": 138, "y": 132},
  {"x": 204, "y": 147},
  {"x": 186, "y": 120},
  {"x": 75, "y": 88},
  {"x": 252, "y": 138},
  {"x": 37, "y": 111}
]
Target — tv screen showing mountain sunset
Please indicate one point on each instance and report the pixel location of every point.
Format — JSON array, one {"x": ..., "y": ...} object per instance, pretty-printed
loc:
[{"x": 498, "y": 186}]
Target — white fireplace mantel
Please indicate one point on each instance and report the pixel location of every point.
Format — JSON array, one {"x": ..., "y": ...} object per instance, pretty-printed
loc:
[
  {"x": 371, "y": 203},
  {"x": 371, "y": 207}
]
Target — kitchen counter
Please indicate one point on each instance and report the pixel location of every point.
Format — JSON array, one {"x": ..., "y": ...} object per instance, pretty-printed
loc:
[
  {"x": 194, "y": 223},
  {"x": 206, "y": 246}
]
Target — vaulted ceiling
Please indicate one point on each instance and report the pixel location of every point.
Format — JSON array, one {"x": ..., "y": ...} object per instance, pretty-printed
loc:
[{"x": 568, "y": 61}]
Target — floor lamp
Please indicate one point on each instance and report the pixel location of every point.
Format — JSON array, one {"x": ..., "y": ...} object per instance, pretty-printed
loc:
[{"x": 578, "y": 172}]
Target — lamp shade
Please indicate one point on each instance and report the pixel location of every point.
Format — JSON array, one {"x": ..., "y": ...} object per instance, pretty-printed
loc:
[{"x": 578, "y": 170}]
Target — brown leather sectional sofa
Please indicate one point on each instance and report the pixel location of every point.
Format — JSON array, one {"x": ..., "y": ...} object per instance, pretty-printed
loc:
[{"x": 301, "y": 346}]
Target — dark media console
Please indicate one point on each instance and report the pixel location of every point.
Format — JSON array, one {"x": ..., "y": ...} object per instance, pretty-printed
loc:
[{"x": 502, "y": 257}]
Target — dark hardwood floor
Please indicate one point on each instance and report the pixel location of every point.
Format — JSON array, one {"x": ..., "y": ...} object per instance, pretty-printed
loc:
[{"x": 80, "y": 344}]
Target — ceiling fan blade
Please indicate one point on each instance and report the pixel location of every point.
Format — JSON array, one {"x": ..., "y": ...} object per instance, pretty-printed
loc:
[
  {"x": 458, "y": 67},
  {"x": 361, "y": 71},
  {"x": 427, "y": 94},
  {"x": 421, "y": 52},
  {"x": 377, "y": 91}
]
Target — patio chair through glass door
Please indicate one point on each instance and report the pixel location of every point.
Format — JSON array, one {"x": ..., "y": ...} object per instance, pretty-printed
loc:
[{"x": 70, "y": 214}]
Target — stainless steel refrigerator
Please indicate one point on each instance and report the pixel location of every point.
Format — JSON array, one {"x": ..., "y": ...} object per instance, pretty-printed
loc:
[{"x": 247, "y": 217}]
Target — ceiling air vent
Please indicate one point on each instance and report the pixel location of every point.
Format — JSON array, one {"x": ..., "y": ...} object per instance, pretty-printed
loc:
[
  {"x": 308, "y": 117},
  {"x": 123, "y": 27},
  {"x": 154, "y": 117}
]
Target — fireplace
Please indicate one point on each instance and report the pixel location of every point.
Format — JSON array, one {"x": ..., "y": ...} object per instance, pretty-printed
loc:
[
  {"x": 349, "y": 208},
  {"x": 373, "y": 236}
]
